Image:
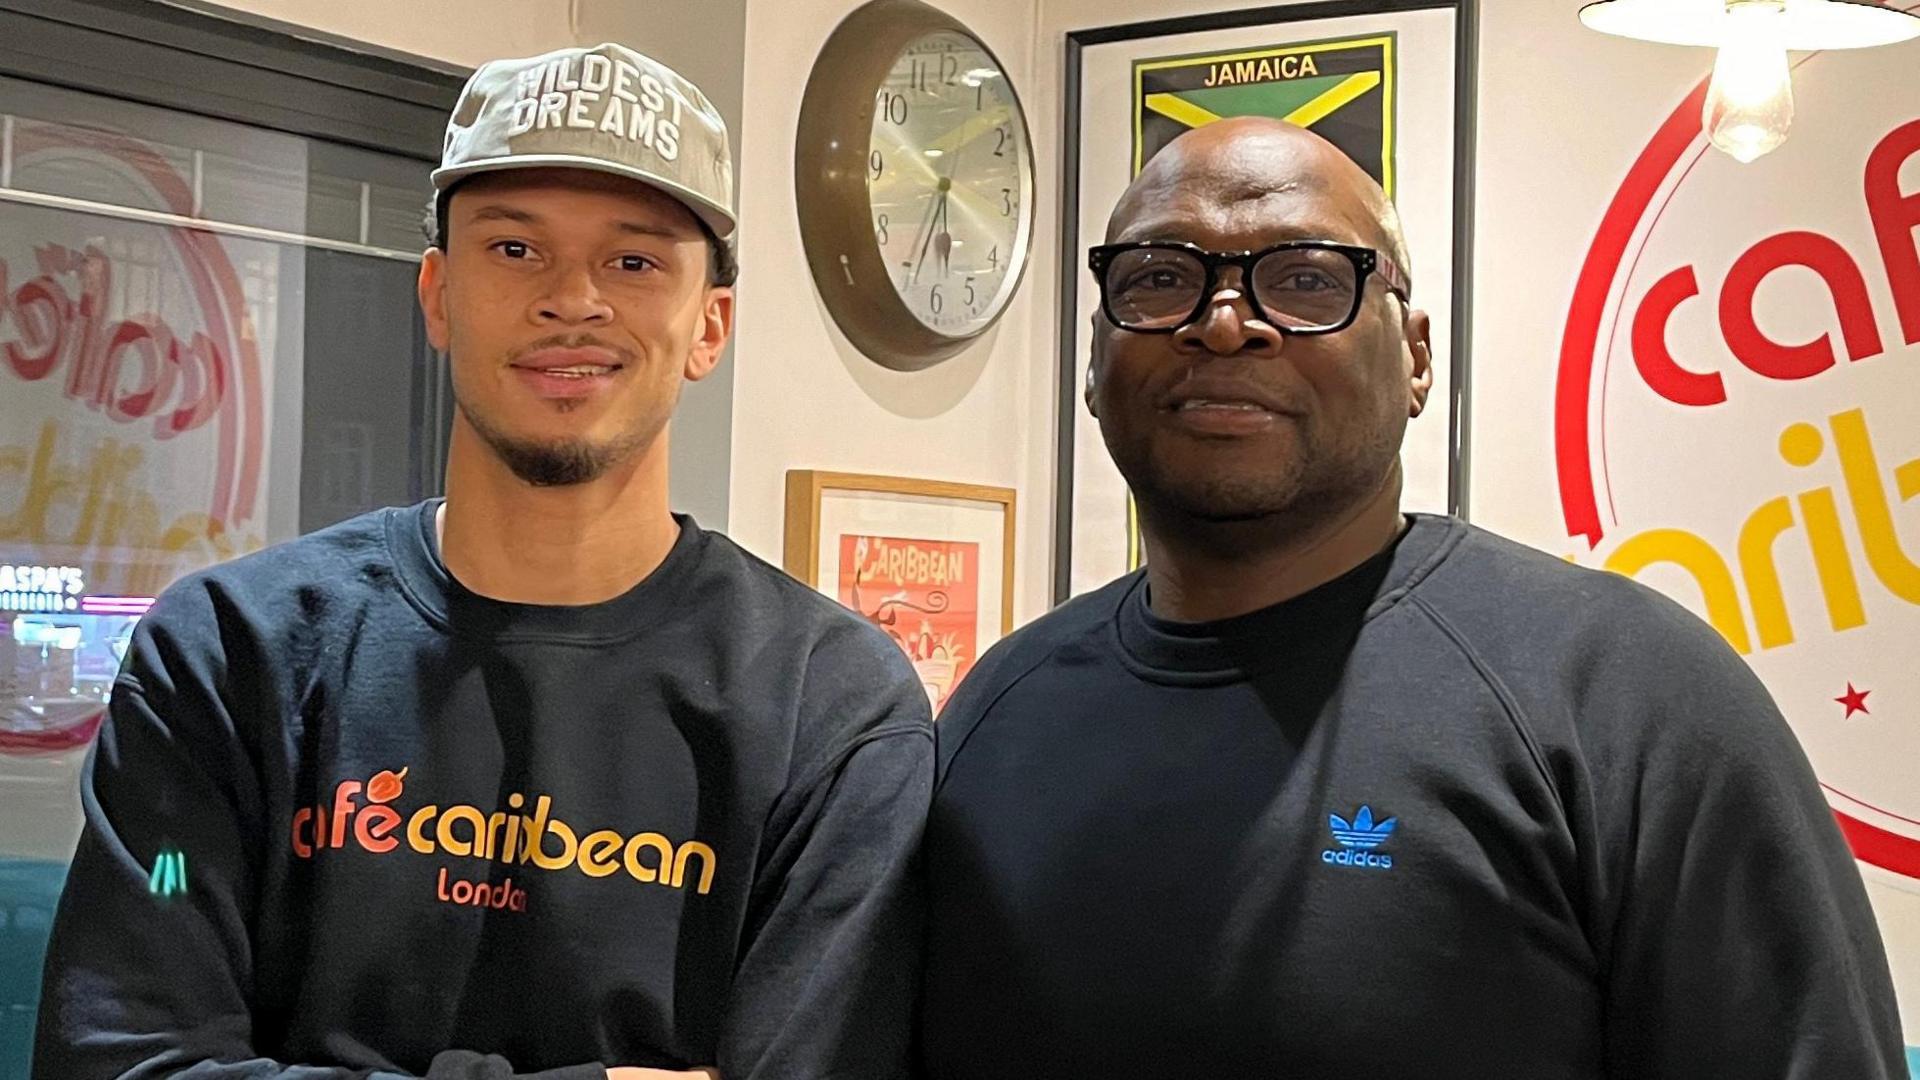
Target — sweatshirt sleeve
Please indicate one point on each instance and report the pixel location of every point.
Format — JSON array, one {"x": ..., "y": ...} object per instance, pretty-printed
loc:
[
  {"x": 149, "y": 970},
  {"x": 826, "y": 982},
  {"x": 1743, "y": 943}
]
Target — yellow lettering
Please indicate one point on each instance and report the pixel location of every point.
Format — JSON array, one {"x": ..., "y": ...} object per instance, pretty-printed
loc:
[
  {"x": 1308, "y": 67},
  {"x": 417, "y": 830},
  {"x": 536, "y": 838},
  {"x": 640, "y": 870},
  {"x": 600, "y": 853},
  {"x": 496, "y": 825},
  {"x": 1870, "y": 509},
  {"x": 1907, "y": 478},
  {"x": 1801, "y": 445},
  {"x": 1830, "y": 560},
  {"x": 512, "y": 848},
  {"x": 1762, "y": 573},
  {"x": 476, "y": 831},
  {"x": 687, "y": 851},
  {"x": 1696, "y": 557}
]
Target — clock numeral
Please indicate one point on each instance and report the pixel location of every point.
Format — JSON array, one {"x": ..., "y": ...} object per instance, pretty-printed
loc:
[
  {"x": 970, "y": 297},
  {"x": 979, "y": 95},
  {"x": 893, "y": 106},
  {"x": 1000, "y": 148},
  {"x": 949, "y": 70},
  {"x": 993, "y": 259},
  {"x": 881, "y": 229},
  {"x": 876, "y": 164},
  {"x": 1006, "y": 202},
  {"x": 936, "y": 301}
]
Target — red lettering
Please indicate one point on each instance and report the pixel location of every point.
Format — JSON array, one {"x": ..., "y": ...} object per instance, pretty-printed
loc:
[
  {"x": 87, "y": 367},
  {"x": 1845, "y": 283},
  {"x": 205, "y": 384},
  {"x": 1657, "y": 365},
  {"x": 159, "y": 360},
  {"x": 182, "y": 384},
  {"x": 1894, "y": 218},
  {"x": 372, "y": 827},
  {"x": 302, "y": 816},
  {"x": 41, "y": 310},
  {"x": 463, "y": 892},
  {"x": 343, "y": 810}
]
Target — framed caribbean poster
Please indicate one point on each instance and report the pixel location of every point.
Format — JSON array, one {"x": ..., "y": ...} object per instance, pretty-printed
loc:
[{"x": 928, "y": 562}]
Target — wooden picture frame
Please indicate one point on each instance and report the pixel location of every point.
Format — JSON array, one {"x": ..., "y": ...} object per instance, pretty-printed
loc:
[{"x": 930, "y": 562}]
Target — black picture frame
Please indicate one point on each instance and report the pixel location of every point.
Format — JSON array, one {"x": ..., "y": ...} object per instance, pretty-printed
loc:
[{"x": 1466, "y": 89}]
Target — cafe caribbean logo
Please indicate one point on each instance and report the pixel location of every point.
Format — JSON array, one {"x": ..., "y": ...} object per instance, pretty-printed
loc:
[{"x": 1737, "y": 420}]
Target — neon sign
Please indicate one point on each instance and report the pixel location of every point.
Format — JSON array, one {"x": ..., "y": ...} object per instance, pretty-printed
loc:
[{"x": 41, "y": 588}]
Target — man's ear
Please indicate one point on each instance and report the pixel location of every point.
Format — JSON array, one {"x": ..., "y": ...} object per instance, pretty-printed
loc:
[
  {"x": 1417, "y": 327},
  {"x": 710, "y": 340},
  {"x": 1093, "y": 369},
  {"x": 433, "y": 297}
]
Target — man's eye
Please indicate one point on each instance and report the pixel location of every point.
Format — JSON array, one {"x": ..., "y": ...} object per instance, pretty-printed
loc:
[
  {"x": 635, "y": 263},
  {"x": 512, "y": 249},
  {"x": 1158, "y": 279}
]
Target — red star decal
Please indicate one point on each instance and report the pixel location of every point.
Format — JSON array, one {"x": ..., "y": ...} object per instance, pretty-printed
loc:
[{"x": 1855, "y": 701}]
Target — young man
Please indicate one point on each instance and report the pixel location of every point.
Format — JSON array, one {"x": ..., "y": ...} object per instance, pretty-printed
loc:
[
  {"x": 1330, "y": 792},
  {"x": 538, "y": 780}
]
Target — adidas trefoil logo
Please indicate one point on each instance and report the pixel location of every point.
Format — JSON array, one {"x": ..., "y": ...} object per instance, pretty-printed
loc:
[{"x": 1358, "y": 839}]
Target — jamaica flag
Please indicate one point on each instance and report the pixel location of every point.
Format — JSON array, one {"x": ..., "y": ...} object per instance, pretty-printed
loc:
[{"x": 1343, "y": 90}]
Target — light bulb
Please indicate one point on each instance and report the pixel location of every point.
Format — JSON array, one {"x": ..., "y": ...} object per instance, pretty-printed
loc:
[{"x": 1750, "y": 103}]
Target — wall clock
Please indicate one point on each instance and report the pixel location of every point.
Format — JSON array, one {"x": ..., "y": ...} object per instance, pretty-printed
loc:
[{"x": 914, "y": 176}]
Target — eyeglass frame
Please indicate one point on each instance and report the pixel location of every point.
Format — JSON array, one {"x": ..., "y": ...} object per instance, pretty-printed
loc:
[{"x": 1366, "y": 263}]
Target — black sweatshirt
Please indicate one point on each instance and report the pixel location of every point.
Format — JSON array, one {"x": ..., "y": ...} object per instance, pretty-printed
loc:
[
  {"x": 349, "y": 819},
  {"x": 1467, "y": 812}
]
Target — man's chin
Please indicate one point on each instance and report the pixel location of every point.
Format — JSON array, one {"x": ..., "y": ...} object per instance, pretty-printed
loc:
[{"x": 559, "y": 462}]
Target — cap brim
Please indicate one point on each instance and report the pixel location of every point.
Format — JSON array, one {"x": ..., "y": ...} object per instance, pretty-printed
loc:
[{"x": 716, "y": 217}]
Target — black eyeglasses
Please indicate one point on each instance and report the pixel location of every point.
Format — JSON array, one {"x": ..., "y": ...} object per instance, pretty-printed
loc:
[{"x": 1300, "y": 287}]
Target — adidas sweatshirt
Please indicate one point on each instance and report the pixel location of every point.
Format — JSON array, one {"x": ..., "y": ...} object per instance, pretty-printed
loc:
[{"x": 1467, "y": 813}]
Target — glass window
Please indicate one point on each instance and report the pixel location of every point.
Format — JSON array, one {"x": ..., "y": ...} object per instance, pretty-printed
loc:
[{"x": 208, "y": 344}]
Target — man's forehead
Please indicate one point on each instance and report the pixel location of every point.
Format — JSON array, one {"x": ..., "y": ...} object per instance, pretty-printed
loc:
[
  {"x": 544, "y": 189},
  {"x": 1248, "y": 216}
]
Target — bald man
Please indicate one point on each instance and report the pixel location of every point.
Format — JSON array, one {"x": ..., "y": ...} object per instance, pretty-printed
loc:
[{"x": 1332, "y": 791}]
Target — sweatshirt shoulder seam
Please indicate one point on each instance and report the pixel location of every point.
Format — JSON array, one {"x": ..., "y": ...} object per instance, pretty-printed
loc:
[{"x": 1509, "y": 705}]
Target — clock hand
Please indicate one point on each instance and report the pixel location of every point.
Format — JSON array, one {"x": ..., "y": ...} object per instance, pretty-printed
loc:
[
  {"x": 943, "y": 242},
  {"x": 925, "y": 234},
  {"x": 926, "y": 229},
  {"x": 939, "y": 215}
]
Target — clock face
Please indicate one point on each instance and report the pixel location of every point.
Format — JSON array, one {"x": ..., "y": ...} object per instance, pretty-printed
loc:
[{"x": 950, "y": 183}]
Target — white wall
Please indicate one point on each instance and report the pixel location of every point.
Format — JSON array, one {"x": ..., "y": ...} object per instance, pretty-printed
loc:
[
  {"x": 462, "y": 33},
  {"x": 805, "y": 399}
]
